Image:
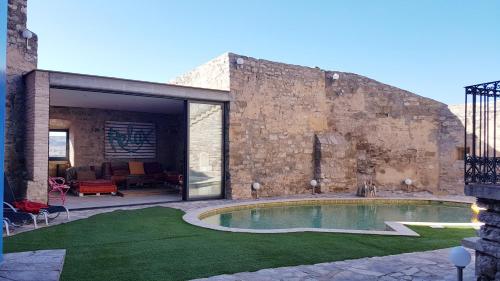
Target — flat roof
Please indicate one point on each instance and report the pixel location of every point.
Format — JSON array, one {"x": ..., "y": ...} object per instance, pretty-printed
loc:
[{"x": 94, "y": 83}]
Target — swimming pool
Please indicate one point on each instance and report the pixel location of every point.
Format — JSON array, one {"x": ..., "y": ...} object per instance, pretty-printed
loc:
[{"x": 376, "y": 216}]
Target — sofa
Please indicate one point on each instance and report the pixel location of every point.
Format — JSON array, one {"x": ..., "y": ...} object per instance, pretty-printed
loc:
[
  {"x": 137, "y": 173},
  {"x": 84, "y": 180}
]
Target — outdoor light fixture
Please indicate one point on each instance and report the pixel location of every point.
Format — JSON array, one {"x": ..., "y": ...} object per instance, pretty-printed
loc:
[
  {"x": 313, "y": 183},
  {"x": 256, "y": 187},
  {"x": 408, "y": 182},
  {"x": 240, "y": 61},
  {"x": 335, "y": 76},
  {"x": 27, "y": 34},
  {"x": 460, "y": 258}
]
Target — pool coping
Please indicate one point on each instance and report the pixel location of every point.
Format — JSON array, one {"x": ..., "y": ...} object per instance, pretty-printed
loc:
[{"x": 395, "y": 228}]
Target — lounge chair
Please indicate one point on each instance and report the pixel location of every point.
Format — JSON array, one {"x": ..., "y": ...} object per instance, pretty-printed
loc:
[
  {"x": 47, "y": 211},
  {"x": 14, "y": 217},
  {"x": 6, "y": 224}
]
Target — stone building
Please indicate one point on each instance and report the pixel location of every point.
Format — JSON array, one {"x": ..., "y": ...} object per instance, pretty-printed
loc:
[
  {"x": 277, "y": 124},
  {"x": 289, "y": 124},
  {"x": 21, "y": 58}
]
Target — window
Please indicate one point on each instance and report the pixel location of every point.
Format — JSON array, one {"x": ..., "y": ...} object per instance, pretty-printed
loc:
[{"x": 58, "y": 145}]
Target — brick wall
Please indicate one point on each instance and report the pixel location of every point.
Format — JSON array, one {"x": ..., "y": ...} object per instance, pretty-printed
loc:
[{"x": 36, "y": 135}]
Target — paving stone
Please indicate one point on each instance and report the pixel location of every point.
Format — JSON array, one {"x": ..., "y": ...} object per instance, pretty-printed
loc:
[
  {"x": 410, "y": 271},
  {"x": 428, "y": 266},
  {"x": 45, "y": 265}
]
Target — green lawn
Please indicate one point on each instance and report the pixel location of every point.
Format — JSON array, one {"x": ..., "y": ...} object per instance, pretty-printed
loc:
[{"x": 156, "y": 244}]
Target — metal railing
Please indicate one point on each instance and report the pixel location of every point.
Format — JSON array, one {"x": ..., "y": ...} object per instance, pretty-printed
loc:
[{"x": 481, "y": 164}]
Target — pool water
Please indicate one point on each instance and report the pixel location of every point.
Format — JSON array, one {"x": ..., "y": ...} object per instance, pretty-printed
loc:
[{"x": 359, "y": 216}]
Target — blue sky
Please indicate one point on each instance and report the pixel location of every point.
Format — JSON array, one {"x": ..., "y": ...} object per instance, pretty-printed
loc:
[{"x": 429, "y": 47}]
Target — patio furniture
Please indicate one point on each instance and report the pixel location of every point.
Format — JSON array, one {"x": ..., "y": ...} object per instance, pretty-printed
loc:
[
  {"x": 119, "y": 172},
  {"x": 6, "y": 225},
  {"x": 96, "y": 186},
  {"x": 15, "y": 218},
  {"x": 138, "y": 176},
  {"x": 61, "y": 169},
  {"x": 137, "y": 173},
  {"x": 25, "y": 210},
  {"x": 58, "y": 185},
  {"x": 174, "y": 178},
  {"x": 139, "y": 180},
  {"x": 155, "y": 171},
  {"x": 83, "y": 181}
]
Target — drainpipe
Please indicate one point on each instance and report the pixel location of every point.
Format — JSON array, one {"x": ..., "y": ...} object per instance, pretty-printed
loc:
[{"x": 3, "y": 90}]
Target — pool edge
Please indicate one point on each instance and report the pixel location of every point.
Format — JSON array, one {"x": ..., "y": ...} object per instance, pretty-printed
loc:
[{"x": 397, "y": 228}]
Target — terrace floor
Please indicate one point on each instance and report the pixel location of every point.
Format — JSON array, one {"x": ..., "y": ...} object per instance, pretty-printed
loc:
[
  {"x": 428, "y": 265},
  {"x": 92, "y": 201}
]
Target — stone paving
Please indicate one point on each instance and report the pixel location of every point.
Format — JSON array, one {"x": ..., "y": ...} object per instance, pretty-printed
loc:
[
  {"x": 429, "y": 266},
  {"x": 44, "y": 265}
]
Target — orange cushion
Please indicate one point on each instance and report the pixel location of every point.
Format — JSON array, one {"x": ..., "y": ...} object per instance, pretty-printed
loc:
[{"x": 136, "y": 167}]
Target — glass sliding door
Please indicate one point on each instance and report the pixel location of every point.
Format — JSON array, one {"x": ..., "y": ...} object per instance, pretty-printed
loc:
[{"x": 205, "y": 150}]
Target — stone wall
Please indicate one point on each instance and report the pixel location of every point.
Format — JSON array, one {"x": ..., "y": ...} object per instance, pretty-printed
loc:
[
  {"x": 279, "y": 111},
  {"x": 488, "y": 245},
  {"x": 459, "y": 111},
  {"x": 86, "y": 129},
  {"x": 20, "y": 60},
  {"x": 276, "y": 111},
  {"x": 330, "y": 150},
  {"x": 212, "y": 75},
  {"x": 451, "y": 148}
]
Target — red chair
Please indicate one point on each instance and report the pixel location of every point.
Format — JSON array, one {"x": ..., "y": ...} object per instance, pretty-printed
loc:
[{"x": 58, "y": 185}]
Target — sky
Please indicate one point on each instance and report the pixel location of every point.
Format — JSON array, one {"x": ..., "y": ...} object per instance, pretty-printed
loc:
[{"x": 430, "y": 47}]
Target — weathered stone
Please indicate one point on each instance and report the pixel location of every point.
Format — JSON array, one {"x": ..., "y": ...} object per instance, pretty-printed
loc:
[
  {"x": 490, "y": 233},
  {"x": 486, "y": 267},
  {"x": 20, "y": 60},
  {"x": 33, "y": 266},
  {"x": 490, "y": 218},
  {"x": 489, "y": 204},
  {"x": 386, "y": 134},
  {"x": 364, "y": 269},
  {"x": 488, "y": 247}
]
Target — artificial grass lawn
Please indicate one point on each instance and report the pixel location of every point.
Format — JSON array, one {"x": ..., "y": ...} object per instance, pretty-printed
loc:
[{"x": 156, "y": 244}]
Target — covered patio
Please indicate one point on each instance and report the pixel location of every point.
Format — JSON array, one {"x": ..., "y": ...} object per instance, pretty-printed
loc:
[{"x": 119, "y": 142}]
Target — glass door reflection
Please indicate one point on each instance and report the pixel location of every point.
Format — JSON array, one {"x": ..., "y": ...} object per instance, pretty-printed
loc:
[{"x": 205, "y": 148}]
